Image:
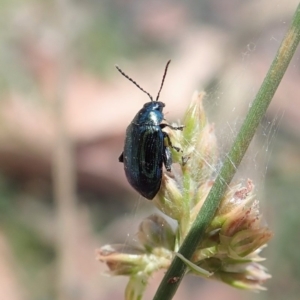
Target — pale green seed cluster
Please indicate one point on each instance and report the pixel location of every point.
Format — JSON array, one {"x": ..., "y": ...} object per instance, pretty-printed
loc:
[{"x": 230, "y": 250}]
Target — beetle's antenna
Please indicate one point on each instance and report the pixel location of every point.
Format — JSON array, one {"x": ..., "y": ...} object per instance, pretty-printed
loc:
[
  {"x": 130, "y": 79},
  {"x": 162, "y": 82}
]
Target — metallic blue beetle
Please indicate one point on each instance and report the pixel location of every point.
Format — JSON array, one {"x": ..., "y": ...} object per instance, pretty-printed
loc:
[{"x": 145, "y": 151}]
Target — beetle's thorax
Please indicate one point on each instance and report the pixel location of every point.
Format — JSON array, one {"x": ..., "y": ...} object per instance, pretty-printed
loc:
[{"x": 150, "y": 114}]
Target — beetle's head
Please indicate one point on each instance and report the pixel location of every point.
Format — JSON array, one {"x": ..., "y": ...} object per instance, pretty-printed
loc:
[{"x": 154, "y": 105}]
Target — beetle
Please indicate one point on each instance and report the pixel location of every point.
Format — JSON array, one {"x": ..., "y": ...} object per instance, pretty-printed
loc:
[{"x": 145, "y": 148}]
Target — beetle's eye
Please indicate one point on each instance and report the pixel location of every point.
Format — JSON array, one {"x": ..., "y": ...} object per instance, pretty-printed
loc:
[{"x": 161, "y": 104}]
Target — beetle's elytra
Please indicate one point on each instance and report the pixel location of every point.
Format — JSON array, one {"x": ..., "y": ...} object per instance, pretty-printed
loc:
[{"x": 145, "y": 150}]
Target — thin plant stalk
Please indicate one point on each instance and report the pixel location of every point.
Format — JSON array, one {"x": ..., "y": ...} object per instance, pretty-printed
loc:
[
  {"x": 256, "y": 112},
  {"x": 64, "y": 171}
]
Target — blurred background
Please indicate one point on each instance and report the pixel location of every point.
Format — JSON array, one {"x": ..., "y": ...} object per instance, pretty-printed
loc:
[{"x": 64, "y": 109}]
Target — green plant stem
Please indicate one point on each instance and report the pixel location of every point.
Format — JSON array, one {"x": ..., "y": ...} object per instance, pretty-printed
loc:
[{"x": 256, "y": 112}]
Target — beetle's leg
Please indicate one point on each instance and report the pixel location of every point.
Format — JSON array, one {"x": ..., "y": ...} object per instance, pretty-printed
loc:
[
  {"x": 121, "y": 158},
  {"x": 169, "y": 142},
  {"x": 184, "y": 159},
  {"x": 167, "y": 158},
  {"x": 180, "y": 127}
]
